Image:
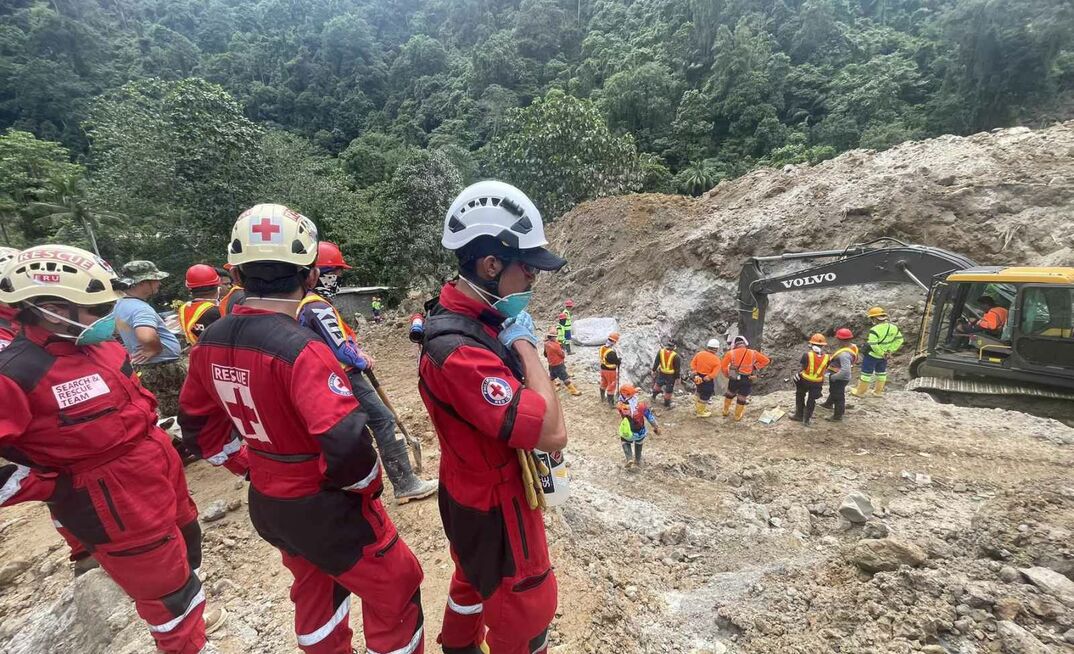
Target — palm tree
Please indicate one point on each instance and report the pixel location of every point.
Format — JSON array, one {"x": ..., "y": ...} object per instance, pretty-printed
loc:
[{"x": 69, "y": 207}]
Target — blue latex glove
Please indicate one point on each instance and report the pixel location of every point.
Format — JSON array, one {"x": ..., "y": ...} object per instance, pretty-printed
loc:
[{"x": 518, "y": 327}]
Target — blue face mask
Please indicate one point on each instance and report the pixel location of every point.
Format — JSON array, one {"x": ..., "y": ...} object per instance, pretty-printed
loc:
[
  {"x": 100, "y": 331},
  {"x": 513, "y": 304}
]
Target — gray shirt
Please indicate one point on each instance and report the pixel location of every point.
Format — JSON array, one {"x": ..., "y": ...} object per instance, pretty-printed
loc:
[{"x": 844, "y": 361}]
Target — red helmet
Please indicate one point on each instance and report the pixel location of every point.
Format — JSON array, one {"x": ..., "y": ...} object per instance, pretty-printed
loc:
[
  {"x": 562, "y": 316},
  {"x": 329, "y": 256},
  {"x": 844, "y": 334},
  {"x": 201, "y": 275},
  {"x": 569, "y": 304}
]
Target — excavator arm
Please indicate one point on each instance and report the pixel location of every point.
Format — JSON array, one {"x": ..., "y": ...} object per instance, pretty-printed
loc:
[{"x": 885, "y": 260}]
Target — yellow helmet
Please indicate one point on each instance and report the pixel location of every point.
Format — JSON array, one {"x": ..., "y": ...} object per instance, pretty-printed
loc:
[
  {"x": 60, "y": 271},
  {"x": 272, "y": 232},
  {"x": 6, "y": 254},
  {"x": 877, "y": 312}
]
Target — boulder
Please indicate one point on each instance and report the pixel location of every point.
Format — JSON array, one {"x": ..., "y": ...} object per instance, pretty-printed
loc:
[{"x": 885, "y": 554}]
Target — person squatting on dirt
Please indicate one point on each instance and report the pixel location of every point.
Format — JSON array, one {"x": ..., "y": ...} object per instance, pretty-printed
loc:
[
  {"x": 314, "y": 476},
  {"x": 557, "y": 362},
  {"x": 666, "y": 370},
  {"x": 809, "y": 381},
  {"x": 740, "y": 365},
  {"x": 839, "y": 373},
  {"x": 632, "y": 429},
  {"x": 82, "y": 434},
  {"x": 317, "y": 313},
  {"x": 488, "y": 396},
  {"x": 706, "y": 368},
  {"x": 609, "y": 369}
]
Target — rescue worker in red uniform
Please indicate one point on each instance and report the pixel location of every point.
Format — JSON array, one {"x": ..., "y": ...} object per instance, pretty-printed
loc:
[
  {"x": 203, "y": 282},
  {"x": 487, "y": 394},
  {"x": 314, "y": 476},
  {"x": 82, "y": 435},
  {"x": 317, "y": 313}
]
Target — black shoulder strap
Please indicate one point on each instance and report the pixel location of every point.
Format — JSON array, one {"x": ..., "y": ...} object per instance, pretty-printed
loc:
[{"x": 440, "y": 322}]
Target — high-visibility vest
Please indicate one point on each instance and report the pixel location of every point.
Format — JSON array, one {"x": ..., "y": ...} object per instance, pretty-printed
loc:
[
  {"x": 994, "y": 319},
  {"x": 888, "y": 338},
  {"x": 189, "y": 315},
  {"x": 604, "y": 352},
  {"x": 569, "y": 322},
  {"x": 561, "y": 332},
  {"x": 816, "y": 366},
  {"x": 853, "y": 349},
  {"x": 667, "y": 361},
  {"x": 348, "y": 333},
  {"x": 226, "y": 302}
]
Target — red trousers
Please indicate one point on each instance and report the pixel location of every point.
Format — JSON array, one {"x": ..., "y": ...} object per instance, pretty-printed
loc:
[
  {"x": 503, "y": 580},
  {"x": 135, "y": 516},
  {"x": 336, "y": 543},
  {"x": 608, "y": 379}
]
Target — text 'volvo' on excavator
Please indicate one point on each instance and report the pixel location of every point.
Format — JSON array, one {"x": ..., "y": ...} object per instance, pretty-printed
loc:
[{"x": 1025, "y": 363}]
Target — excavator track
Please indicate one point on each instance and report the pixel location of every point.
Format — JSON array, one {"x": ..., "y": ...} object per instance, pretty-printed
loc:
[{"x": 1052, "y": 403}]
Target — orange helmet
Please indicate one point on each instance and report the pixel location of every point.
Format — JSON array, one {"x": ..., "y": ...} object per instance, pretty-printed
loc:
[
  {"x": 818, "y": 339},
  {"x": 613, "y": 337},
  {"x": 329, "y": 256},
  {"x": 201, "y": 275},
  {"x": 628, "y": 390}
]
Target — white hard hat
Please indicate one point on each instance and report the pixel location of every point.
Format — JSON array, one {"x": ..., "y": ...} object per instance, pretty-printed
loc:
[
  {"x": 6, "y": 254},
  {"x": 713, "y": 344},
  {"x": 501, "y": 211},
  {"x": 59, "y": 271},
  {"x": 272, "y": 232}
]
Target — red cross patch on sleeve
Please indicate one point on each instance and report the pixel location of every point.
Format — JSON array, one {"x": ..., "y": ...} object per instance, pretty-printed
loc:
[{"x": 496, "y": 391}]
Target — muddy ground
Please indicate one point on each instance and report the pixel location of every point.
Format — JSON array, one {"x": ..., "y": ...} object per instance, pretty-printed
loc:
[{"x": 728, "y": 539}]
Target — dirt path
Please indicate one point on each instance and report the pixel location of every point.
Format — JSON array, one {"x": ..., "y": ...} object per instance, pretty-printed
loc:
[{"x": 705, "y": 549}]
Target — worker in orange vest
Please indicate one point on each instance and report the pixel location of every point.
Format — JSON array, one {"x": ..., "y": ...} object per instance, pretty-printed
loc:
[
  {"x": 203, "y": 282},
  {"x": 666, "y": 370},
  {"x": 740, "y": 366},
  {"x": 609, "y": 370},
  {"x": 706, "y": 368},
  {"x": 235, "y": 295},
  {"x": 809, "y": 381}
]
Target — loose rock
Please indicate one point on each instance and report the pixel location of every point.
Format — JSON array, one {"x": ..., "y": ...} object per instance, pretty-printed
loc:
[
  {"x": 856, "y": 507},
  {"x": 1051, "y": 582},
  {"x": 878, "y": 555},
  {"x": 215, "y": 511},
  {"x": 1017, "y": 640},
  {"x": 11, "y": 570}
]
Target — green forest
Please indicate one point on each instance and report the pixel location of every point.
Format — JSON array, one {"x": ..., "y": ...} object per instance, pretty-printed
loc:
[{"x": 148, "y": 125}]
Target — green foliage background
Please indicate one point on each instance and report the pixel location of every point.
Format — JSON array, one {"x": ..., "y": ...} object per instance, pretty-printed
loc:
[{"x": 152, "y": 123}]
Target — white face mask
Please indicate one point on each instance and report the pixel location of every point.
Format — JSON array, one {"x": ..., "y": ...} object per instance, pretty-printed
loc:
[{"x": 816, "y": 348}]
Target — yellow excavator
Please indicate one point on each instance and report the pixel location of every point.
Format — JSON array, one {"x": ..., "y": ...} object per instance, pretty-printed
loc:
[{"x": 1029, "y": 359}]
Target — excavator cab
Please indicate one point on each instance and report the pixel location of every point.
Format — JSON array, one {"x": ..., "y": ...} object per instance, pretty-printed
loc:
[{"x": 1031, "y": 354}]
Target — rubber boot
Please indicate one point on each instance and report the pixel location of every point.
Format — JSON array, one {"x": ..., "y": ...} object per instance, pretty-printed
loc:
[
  {"x": 879, "y": 390},
  {"x": 740, "y": 410},
  {"x": 611, "y": 400},
  {"x": 727, "y": 406},
  {"x": 861, "y": 389},
  {"x": 572, "y": 389},
  {"x": 667, "y": 400},
  {"x": 602, "y": 395},
  {"x": 405, "y": 483},
  {"x": 701, "y": 409}
]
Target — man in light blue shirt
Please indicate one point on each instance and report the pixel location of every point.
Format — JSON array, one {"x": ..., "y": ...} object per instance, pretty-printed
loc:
[{"x": 154, "y": 350}]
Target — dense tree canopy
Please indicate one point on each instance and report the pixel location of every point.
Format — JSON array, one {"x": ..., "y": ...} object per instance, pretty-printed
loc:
[{"x": 157, "y": 120}]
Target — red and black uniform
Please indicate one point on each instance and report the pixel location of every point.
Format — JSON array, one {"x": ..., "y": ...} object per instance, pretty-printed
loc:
[
  {"x": 82, "y": 433},
  {"x": 472, "y": 387},
  {"x": 8, "y": 327},
  {"x": 314, "y": 476}
]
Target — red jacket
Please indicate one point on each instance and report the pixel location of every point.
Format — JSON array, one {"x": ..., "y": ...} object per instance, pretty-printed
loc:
[
  {"x": 8, "y": 326},
  {"x": 260, "y": 375},
  {"x": 65, "y": 409}
]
